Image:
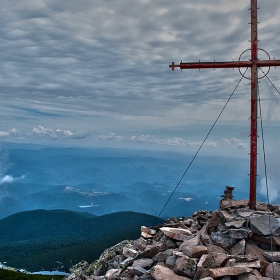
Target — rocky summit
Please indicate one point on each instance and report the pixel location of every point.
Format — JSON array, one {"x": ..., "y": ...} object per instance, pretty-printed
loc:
[{"x": 232, "y": 242}]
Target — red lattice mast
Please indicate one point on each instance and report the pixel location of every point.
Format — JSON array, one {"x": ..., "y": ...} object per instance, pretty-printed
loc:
[{"x": 254, "y": 63}]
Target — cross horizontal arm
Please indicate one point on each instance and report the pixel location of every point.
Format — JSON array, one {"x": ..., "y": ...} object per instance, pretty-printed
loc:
[
  {"x": 227, "y": 64},
  {"x": 201, "y": 65},
  {"x": 267, "y": 63}
]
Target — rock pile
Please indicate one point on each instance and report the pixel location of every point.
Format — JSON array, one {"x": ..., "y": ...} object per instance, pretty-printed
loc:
[{"x": 233, "y": 242}]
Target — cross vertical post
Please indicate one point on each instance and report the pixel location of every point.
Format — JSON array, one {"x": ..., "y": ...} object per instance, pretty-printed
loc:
[
  {"x": 254, "y": 63},
  {"x": 254, "y": 105}
]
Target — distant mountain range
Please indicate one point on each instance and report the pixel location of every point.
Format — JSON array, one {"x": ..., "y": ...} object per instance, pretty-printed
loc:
[
  {"x": 102, "y": 181},
  {"x": 102, "y": 193},
  {"x": 56, "y": 239}
]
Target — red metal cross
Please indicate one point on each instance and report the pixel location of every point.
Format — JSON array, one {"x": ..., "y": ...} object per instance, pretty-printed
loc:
[{"x": 254, "y": 63}]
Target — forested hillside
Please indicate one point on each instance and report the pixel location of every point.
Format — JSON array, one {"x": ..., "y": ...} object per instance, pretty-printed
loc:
[{"x": 56, "y": 239}]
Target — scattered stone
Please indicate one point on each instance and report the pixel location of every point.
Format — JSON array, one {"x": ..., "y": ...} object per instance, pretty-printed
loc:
[
  {"x": 179, "y": 254},
  {"x": 272, "y": 256},
  {"x": 244, "y": 213},
  {"x": 244, "y": 258},
  {"x": 239, "y": 233},
  {"x": 254, "y": 250},
  {"x": 255, "y": 264},
  {"x": 267, "y": 240},
  {"x": 230, "y": 262},
  {"x": 151, "y": 251},
  {"x": 188, "y": 222},
  {"x": 176, "y": 233},
  {"x": 182, "y": 225},
  {"x": 214, "y": 220},
  {"x": 145, "y": 263},
  {"x": 224, "y": 216},
  {"x": 146, "y": 235},
  {"x": 236, "y": 224},
  {"x": 170, "y": 244},
  {"x": 260, "y": 224},
  {"x": 261, "y": 207},
  {"x": 126, "y": 262},
  {"x": 199, "y": 268},
  {"x": 225, "y": 271},
  {"x": 112, "y": 273},
  {"x": 215, "y": 260},
  {"x": 195, "y": 227},
  {"x": 249, "y": 276},
  {"x": 228, "y": 204},
  {"x": 171, "y": 261},
  {"x": 230, "y": 243},
  {"x": 221, "y": 240},
  {"x": 273, "y": 270},
  {"x": 206, "y": 239},
  {"x": 274, "y": 208},
  {"x": 136, "y": 270},
  {"x": 163, "y": 273},
  {"x": 128, "y": 252},
  {"x": 223, "y": 229},
  {"x": 195, "y": 251},
  {"x": 215, "y": 249},
  {"x": 185, "y": 267},
  {"x": 264, "y": 265},
  {"x": 162, "y": 256},
  {"x": 158, "y": 236},
  {"x": 148, "y": 230},
  {"x": 239, "y": 248},
  {"x": 193, "y": 241},
  {"x": 141, "y": 243}
]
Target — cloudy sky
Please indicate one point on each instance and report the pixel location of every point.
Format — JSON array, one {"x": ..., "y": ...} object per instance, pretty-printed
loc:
[{"x": 95, "y": 73}]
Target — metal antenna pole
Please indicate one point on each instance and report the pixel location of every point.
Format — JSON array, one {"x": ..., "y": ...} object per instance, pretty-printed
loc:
[
  {"x": 254, "y": 105},
  {"x": 254, "y": 63}
]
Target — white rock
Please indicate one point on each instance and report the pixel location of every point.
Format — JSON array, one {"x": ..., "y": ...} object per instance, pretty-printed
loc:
[{"x": 176, "y": 233}]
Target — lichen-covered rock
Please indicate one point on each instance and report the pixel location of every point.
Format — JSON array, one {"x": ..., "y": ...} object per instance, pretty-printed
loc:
[
  {"x": 78, "y": 270},
  {"x": 185, "y": 267},
  {"x": 104, "y": 263},
  {"x": 215, "y": 260}
]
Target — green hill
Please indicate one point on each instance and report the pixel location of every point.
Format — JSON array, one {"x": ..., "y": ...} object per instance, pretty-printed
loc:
[{"x": 56, "y": 239}]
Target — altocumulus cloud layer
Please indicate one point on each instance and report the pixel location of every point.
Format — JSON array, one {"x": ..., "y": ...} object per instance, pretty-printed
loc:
[
  {"x": 99, "y": 69},
  {"x": 58, "y": 134}
]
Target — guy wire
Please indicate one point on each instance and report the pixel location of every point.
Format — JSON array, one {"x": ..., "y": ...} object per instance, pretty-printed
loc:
[{"x": 199, "y": 148}]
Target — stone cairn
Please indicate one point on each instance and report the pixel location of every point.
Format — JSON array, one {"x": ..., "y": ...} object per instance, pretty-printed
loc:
[{"x": 232, "y": 242}]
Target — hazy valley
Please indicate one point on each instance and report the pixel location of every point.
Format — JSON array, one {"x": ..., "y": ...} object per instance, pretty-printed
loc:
[{"x": 119, "y": 184}]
